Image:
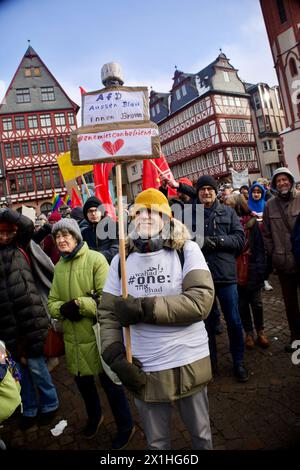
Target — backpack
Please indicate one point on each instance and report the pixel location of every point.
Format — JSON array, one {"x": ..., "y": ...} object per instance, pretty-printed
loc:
[{"x": 295, "y": 241}]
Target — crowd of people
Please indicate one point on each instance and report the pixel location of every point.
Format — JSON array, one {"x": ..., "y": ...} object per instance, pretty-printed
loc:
[{"x": 179, "y": 281}]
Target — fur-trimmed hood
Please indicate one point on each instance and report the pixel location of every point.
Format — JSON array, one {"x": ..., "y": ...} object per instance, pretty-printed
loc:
[{"x": 174, "y": 234}]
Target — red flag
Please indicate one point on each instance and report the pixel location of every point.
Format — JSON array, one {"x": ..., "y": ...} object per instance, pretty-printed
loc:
[
  {"x": 101, "y": 186},
  {"x": 152, "y": 176},
  {"x": 75, "y": 199},
  {"x": 82, "y": 90}
]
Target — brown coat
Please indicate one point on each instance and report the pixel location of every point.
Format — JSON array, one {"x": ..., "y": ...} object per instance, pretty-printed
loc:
[{"x": 277, "y": 237}]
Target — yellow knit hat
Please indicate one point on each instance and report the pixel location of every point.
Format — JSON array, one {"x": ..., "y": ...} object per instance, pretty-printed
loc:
[{"x": 152, "y": 199}]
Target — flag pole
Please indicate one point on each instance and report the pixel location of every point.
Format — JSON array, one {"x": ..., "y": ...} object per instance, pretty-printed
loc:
[
  {"x": 122, "y": 253},
  {"x": 86, "y": 186},
  {"x": 157, "y": 167}
]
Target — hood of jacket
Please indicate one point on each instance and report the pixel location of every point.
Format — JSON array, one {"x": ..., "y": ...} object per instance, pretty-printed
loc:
[
  {"x": 285, "y": 171},
  {"x": 257, "y": 206}
]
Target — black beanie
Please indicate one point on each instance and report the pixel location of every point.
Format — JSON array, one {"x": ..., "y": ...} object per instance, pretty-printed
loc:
[
  {"x": 77, "y": 213},
  {"x": 206, "y": 180},
  {"x": 91, "y": 202}
]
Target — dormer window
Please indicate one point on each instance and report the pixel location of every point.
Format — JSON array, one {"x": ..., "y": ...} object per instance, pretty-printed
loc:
[
  {"x": 47, "y": 93},
  {"x": 23, "y": 95},
  {"x": 226, "y": 76}
]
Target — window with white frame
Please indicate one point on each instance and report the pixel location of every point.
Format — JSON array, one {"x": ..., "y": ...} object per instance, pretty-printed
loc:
[
  {"x": 47, "y": 93},
  {"x": 60, "y": 119},
  {"x": 20, "y": 122},
  {"x": 71, "y": 119},
  {"x": 7, "y": 124},
  {"x": 226, "y": 76},
  {"x": 23, "y": 95},
  {"x": 183, "y": 90},
  {"x": 32, "y": 122},
  {"x": 268, "y": 145},
  {"x": 157, "y": 108},
  {"x": 256, "y": 101},
  {"x": 261, "y": 124},
  {"x": 178, "y": 94},
  {"x": 45, "y": 120}
]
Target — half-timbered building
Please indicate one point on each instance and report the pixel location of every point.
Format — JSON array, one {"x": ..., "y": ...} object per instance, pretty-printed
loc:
[
  {"x": 205, "y": 123},
  {"x": 36, "y": 119}
]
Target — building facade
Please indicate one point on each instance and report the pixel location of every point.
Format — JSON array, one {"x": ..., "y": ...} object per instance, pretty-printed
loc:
[
  {"x": 205, "y": 123},
  {"x": 36, "y": 119},
  {"x": 282, "y": 20},
  {"x": 268, "y": 118}
]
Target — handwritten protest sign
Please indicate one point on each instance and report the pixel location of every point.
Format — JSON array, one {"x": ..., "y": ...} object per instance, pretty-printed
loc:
[
  {"x": 115, "y": 143},
  {"x": 117, "y": 104}
]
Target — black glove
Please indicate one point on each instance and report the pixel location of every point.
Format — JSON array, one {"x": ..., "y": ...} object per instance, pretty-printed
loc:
[
  {"x": 131, "y": 375},
  {"x": 70, "y": 311},
  {"x": 134, "y": 310},
  {"x": 210, "y": 244}
]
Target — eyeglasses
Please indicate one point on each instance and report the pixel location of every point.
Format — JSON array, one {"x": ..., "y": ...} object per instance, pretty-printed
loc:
[
  {"x": 92, "y": 211},
  {"x": 206, "y": 189}
]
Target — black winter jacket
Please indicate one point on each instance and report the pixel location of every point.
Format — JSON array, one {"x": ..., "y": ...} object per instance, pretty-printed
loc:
[
  {"x": 224, "y": 224},
  {"x": 109, "y": 245},
  {"x": 23, "y": 319}
]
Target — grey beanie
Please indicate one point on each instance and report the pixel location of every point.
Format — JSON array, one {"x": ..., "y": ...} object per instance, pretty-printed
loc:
[{"x": 68, "y": 224}]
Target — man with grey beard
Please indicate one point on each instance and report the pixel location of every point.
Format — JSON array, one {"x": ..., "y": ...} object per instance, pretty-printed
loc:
[{"x": 279, "y": 217}]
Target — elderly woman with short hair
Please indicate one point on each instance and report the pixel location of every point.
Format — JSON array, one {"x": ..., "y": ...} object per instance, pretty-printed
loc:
[{"x": 79, "y": 278}]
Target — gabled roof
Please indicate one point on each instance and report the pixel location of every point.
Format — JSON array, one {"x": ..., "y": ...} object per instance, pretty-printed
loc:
[{"x": 32, "y": 60}]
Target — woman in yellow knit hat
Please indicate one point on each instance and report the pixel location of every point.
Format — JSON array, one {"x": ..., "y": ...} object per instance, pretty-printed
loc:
[{"x": 170, "y": 294}]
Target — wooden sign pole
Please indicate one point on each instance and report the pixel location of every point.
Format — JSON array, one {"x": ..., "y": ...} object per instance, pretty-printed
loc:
[
  {"x": 122, "y": 253},
  {"x": 86, "y": 186}
]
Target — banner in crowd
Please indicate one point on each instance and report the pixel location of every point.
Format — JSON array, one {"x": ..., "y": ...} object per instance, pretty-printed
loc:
[
  {"x": 68, "y": 170},
  {"x": 239, "y": 178}
]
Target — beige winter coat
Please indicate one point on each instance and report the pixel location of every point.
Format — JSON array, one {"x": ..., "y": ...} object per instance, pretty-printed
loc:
[{"x": 193, "y": 304}]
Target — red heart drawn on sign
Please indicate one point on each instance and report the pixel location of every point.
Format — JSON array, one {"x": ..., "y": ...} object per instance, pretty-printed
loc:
[
  {"x": 108, "y": 147},
  {"x": 118, "y": 145},
  {"x": 113, "y": 148}
]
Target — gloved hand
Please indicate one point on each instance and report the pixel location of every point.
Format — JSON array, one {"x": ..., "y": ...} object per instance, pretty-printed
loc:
[
  {"x": 134, "y": 310},
  {"x": 131, "y": 375},
  {"x": 210, "y": 244},
  {"x": 70, "y": 311}
]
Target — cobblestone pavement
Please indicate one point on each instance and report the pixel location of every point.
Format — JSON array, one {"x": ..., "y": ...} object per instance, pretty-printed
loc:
[{"x": 264, "y": 413}]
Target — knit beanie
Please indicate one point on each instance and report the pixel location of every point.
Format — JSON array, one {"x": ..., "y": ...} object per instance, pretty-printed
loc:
[
  {"x": 207, "y": 180},
  {"x": 77, "y": 213},
  {"x": 91, "y": 202},
  {"x": 152, "y": 199},
  {"x": 70, "y": 225},
  {"x": 186, "y": 181},
  {"x": 54, "y": 217}
]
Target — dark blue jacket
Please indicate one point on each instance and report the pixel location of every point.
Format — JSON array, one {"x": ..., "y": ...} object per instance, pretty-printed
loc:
[
  {"x": 108, "y": 246},
  {"x": 224, "y": 224}
]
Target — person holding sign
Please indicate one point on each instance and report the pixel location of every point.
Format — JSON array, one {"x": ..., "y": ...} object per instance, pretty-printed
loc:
[{"x": 171, "y": 292}]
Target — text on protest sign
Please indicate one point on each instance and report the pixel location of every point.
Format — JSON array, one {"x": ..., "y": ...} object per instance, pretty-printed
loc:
[
  {"x": 118, "y": 104},
  {"x": 92, "y": 144}
]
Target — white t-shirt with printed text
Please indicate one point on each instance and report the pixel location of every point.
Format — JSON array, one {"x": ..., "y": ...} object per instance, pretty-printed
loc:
[{"x": 161, "y": 347}]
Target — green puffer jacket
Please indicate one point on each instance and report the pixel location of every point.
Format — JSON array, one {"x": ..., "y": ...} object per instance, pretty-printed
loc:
[{"x": 76, "y": 279}]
